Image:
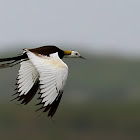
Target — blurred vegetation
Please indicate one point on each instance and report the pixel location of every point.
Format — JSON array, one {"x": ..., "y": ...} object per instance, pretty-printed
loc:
[{"x": 101, "y": 101}]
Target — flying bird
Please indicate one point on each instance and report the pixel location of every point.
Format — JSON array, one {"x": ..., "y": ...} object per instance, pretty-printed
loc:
[{"x": 41, "y": 71}]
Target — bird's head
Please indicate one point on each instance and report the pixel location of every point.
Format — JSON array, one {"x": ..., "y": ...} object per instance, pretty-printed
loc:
[{"x": 72, "y": 54}]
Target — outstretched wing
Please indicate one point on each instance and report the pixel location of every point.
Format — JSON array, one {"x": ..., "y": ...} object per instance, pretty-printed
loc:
[
  {"x": 53, "y": 74},
  {"x": 27, "y": 81}
]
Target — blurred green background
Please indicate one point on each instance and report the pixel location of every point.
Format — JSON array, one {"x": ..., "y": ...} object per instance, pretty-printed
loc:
[{"x": 101, "y": 101}]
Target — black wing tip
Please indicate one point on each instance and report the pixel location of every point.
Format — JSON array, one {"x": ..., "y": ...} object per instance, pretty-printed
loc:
[
  {"x": 27, "y": 97},
  {"x": 51, "y": 108}
]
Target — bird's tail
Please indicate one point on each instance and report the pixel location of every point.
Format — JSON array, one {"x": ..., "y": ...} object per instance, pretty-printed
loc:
[{"x": 12, "y": 61}]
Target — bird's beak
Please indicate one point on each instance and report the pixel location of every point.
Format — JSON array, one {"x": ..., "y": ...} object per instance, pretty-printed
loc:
[{"x": 82, "y": 57}]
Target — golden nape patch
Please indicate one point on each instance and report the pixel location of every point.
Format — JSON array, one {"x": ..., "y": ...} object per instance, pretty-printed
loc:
[{"x": 67, "y": 52}]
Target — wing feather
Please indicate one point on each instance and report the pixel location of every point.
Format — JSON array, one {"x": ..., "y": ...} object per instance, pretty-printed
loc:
[
  {"x": 53, "y": 74},
  {"x": 27, "y": 81}
]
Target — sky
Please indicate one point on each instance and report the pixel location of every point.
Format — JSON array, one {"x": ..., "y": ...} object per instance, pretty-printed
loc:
[{"x": 104, "y": 26}]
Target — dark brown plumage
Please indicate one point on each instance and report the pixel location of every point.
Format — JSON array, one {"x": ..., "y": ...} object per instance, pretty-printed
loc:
[
  {"x": 47, "y": 50},
  {"x": 44, "y": 50}
]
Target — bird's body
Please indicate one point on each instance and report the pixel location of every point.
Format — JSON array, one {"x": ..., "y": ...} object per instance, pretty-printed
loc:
[{"x": 43, "y": 71}]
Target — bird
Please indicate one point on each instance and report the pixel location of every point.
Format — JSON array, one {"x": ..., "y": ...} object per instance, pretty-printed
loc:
[{"x": 41, "y": 71}]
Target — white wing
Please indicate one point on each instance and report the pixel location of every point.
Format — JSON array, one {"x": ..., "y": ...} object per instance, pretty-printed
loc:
[
  {"x": 27, "y": 77},
  {"x": 53, "y": 74}
]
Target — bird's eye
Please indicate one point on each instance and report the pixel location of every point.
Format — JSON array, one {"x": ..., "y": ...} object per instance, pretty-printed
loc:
[{"x": 76, "y": 53}]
